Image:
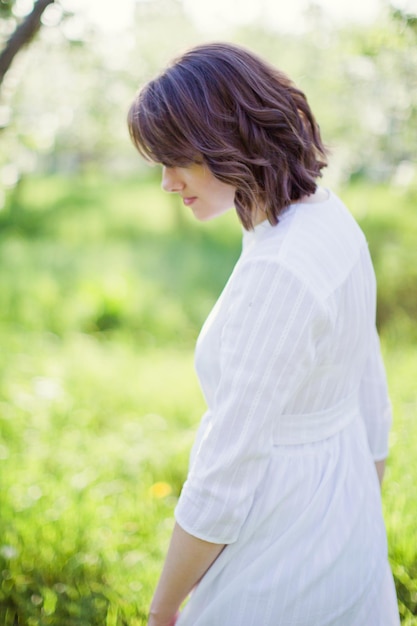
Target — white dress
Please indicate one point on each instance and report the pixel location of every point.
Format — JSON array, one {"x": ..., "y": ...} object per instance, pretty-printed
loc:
[{"x": 282, "y": 469}]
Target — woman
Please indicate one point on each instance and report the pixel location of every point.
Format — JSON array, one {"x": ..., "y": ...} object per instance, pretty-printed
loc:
[{"x": 279, "y": 522}]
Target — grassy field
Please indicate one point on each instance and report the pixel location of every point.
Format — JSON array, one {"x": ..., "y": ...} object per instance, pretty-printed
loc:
[{"x": 103, "y": 288}]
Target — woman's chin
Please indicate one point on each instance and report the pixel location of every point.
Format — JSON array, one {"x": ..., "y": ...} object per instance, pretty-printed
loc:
[{"x": 207, "y": 216}]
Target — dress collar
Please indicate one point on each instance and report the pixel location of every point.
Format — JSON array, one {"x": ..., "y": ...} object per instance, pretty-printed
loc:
[
  {"x": 250, "y": 236},
  {"x": 260, "y": 230}
]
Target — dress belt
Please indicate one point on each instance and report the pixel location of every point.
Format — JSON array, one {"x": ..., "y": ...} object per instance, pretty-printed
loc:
[{"x": 309, "y": 427}]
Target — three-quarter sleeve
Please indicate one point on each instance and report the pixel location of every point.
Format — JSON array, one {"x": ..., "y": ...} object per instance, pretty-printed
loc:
[
  {"x": 374, "y": 401},
  {"x": 267, "y": 341}
]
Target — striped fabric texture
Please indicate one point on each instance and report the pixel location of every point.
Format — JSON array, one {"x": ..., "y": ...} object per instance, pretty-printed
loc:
[{"x": 282, "y": 469}]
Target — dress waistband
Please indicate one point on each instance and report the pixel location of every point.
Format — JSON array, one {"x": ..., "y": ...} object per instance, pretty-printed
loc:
[{"x": 309, "y": 427}]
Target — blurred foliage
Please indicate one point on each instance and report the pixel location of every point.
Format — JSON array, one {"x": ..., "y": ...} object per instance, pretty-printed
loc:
[
  {"x": 64, "y": 105},
  {"x": 6, "y": 8},
  {"x": 101, "y": 300},
  {"x": 105, "y": 283},
  {"x": 103, "y": 289}
]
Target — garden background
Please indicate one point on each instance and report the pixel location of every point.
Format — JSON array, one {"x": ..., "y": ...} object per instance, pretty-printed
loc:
[{"x": 105, "y": 281}]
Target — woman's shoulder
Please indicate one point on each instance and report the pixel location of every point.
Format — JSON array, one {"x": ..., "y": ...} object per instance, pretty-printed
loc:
[{"x": 319, "y": 242}]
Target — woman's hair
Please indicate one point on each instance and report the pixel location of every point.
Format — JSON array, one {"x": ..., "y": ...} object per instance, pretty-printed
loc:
[{"x": 221, "y": 105}]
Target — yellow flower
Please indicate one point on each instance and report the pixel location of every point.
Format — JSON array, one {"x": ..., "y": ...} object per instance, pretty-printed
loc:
[{"x": 160, "y": 490}]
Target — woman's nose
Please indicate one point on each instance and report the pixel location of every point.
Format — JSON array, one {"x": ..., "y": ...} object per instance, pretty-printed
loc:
[{"x": 171, "y": 181}]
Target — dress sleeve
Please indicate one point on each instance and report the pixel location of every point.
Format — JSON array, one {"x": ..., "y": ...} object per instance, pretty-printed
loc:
[
  {"x": 374, "y": 402},
  {"x": 267, "y": 346}
]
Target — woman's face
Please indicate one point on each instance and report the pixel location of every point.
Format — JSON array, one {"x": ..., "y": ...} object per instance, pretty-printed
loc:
[{"x": 206, "y": 196}]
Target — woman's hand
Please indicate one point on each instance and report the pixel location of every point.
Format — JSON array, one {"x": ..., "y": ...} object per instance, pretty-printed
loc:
[{"x": 156, "y": 620}]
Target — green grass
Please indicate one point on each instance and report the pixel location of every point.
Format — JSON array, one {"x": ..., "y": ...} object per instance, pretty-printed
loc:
[
  {"x": 88, "y": 431},
  {"x": 103, "y": 288}
]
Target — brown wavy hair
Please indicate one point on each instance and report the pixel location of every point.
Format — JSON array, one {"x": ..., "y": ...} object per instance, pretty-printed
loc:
[{"x": 222, "y": 105}]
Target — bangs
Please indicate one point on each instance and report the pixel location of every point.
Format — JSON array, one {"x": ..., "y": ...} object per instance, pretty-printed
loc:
[
  {"x": 221, "y": 105},
  {"x": 155, "y": 131}
]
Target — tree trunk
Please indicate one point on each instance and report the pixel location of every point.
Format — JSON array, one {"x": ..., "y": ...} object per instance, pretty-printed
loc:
[{"x": 23, "y": 34}]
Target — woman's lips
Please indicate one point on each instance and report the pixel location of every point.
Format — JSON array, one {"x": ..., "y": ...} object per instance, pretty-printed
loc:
[{"x": 189, "y": 201}]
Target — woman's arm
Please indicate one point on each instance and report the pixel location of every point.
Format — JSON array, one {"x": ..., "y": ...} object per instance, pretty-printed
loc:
[{"x": 187, "y": 561}]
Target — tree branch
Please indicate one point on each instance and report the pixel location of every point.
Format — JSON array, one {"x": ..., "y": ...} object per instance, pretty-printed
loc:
[{"x": 22, "y": 35}]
